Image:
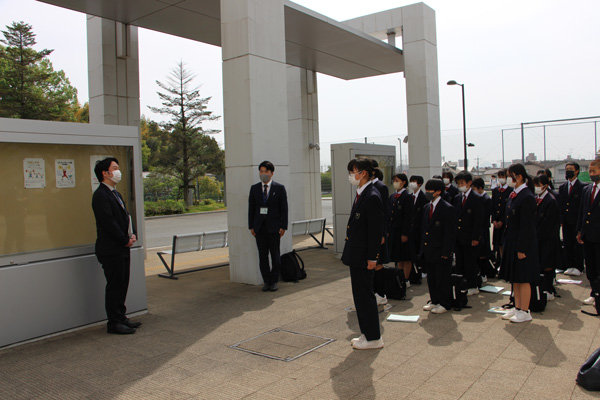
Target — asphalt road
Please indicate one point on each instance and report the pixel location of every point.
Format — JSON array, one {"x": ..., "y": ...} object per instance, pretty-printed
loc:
[{"x": 160, "y": 231}]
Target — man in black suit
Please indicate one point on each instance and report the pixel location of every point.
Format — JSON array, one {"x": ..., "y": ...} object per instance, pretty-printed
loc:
[
  {"x": 569, "y": 201},
  {"x": 361, "y": 251},
  {"x": 268, "y": 221},
  {"x": 419, "y": 200},
  {"x": 437, "y": 245},
  {"x": 469, "y": 225},
  {"x": 588, "y": 228},
  {"x": 450, "y": 191},
  {"x": 115, "y": 236}
]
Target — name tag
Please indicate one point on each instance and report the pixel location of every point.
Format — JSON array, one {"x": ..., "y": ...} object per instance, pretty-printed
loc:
[{"x": 264, "y": 210}]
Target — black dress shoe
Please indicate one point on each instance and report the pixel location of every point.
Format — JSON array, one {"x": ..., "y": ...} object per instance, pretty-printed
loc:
[
  {"x": 119, "y": 329},
  {"x": 273, "y": 287},
  {"x": 132, "y": 324},
  {"x": 266, "y": 287}
]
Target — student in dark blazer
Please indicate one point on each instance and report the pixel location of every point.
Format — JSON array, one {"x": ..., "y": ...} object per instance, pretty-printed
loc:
[
  {"x": 548, "y": 232},
  {"x": 500, "y": 196},
  {"x": 419, "y": 200},
  {"x": 484, "y": 246},
  {"x": 361, "y": 251},
  {"x": 438, "y": 237},
  {"x": 379, "y": 280},
  {"x": 469, "y": 234},
  {"x": 520, "y": 263},
  {"x": 115, "y": 236},
  {"x": 588, "y": 228},
  {"x": 450, "y": 191},
  {"x": 399, "y": 225},
  {"x": 569, "y": 201},
  {"x": 550, "y": 189},
  {"x": 268, "y": 221}
]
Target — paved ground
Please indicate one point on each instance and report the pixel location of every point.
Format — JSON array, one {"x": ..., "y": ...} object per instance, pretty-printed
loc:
[
  {"x": 160, "y": 231},
  {"x": 181, "y": 351}
]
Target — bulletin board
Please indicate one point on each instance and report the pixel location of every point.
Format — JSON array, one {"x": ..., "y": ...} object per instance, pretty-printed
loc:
[{"x": 46, "y": 196}]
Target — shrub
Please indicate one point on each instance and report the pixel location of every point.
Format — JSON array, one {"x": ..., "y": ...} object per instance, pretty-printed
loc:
[{"x": 163, "y": 207}]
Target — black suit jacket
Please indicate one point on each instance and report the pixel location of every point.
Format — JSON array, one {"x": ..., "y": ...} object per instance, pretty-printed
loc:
[
  {"x": 417, "y": 212},
  {"x": 449, "y": 193},
  {"x": 520, "y": 234},
  {"x": 401, "y": 214},
  {"x": 277, "y": 214},
  {"x": 547, "y": 227},
  {"x": 499, "y": 200},
  {"x": 438, "y": 233},
  {"x": 469, "y": 218},
  {"x": 569, "y": 204},
  {"x": 112, "y": 222},
  {"x": 364, "y": 229},
  {"x": 387, "y": 208},
  {"x": 589, "y": 216}
]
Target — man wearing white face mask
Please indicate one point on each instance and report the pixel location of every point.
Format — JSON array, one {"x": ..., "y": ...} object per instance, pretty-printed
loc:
[{"x": 116, "y": 236}]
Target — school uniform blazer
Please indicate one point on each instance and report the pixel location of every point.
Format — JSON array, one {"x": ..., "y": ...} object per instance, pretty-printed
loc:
[
  {"x": 547, "y": 228},
  {"x": 469, "y": 218},
  {"x": 277, "y": 214},
  {"x": 364, "y": 229},
  {"x": 569, "y": 204},
  {"x": 589, "y": 217},
  {"x": 520, "y": 224},
  {"x": 449, "y": 193},
  {"x": 499, "y": 200},
  {"x": 487, "y": 210},
  {"x": 417, "y": 214},
  {"x": 438, "y": 233},
  {"x": 387, "y": 209},
  {"x": 112, "y": 222},
  {"x": 401, "y": 214}
]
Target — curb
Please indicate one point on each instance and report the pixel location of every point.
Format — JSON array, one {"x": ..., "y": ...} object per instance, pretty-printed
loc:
[{"x": 184, "y": 215}]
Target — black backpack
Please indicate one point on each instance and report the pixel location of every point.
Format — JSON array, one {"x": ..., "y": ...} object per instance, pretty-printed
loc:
[
  {"x": 588, "y": 376},
  {"x": 459, "y": 287},
  {"x": 394, "y": 286},
  {"x": 538, "y": 297},
  {"x": 290, "y": 267},
  {"x": 415, "y": 275}
]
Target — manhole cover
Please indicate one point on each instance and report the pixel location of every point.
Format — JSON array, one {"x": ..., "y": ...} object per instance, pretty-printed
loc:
[{"x": 280, "y": 344}]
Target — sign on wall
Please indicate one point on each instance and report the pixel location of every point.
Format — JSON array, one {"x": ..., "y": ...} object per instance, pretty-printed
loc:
[
  {"x": 65, "y": 173},
  {"x": 34, "y": 173}
]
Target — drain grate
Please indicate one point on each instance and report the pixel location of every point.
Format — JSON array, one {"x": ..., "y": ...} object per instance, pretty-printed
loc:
[{"x": 281, "y": 344}]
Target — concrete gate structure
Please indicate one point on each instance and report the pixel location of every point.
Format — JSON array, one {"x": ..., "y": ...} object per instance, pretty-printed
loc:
[{"x": 271, "y": 52}]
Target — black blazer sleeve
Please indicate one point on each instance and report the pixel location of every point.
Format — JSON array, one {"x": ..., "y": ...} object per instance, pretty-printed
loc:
[
  {"x": 251, "y": 208},
  {"x": 527, "y": 225},
  {"x": 585, "y": 197},
  {"x": 374, "y": 226},
  {"x": 449, "y": 231},
  {"x": 108, "y": 224},
  {"x": 284, "y": 208},
  {"x": 478, "y": 217}
]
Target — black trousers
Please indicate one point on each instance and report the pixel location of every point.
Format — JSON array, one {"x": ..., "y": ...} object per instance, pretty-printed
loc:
[
  {"x": 268, "y": 243},
  {"x": 573, "y": 249},
  {"x": 438, "y": 281},
  {"x": 364, "y": 301},
  {"x": 116, "y": 271},
  {"x": 592, "y": 263},
  {"x": 467, "y": 262}
]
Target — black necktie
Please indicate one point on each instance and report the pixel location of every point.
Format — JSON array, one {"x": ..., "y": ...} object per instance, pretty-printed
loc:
[
  {"x": 118, "y": 198},
  {"x": 265, "y": 193}
]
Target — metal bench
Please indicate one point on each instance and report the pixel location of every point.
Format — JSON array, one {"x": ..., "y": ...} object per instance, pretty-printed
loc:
[
  {"x": 189, "y": 243},
  {"x": 311, "y": 227}
]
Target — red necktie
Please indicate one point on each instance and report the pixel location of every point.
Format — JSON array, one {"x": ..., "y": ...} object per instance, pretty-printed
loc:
[
  {"x": 430, "y": 211},
  {"x": 357, "y": 197},
  {"x": 538, "y": 201},
  {"x": 513, "y": 195},
  {"x": 396, "y": 195},
  {"x": 501, "y": 190},
  {"x": 593, "y": 194},
  {"x": 570, "y": 188},
  {"x": 464, "y": 200}
]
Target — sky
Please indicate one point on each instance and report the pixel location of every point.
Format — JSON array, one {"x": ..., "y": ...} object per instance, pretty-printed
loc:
[{"x": 520, "y": 60}]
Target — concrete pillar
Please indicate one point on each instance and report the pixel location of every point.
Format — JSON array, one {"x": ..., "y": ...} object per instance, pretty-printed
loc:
[
  {"x": 422, "y": 89},
  {"x": 304, "y": 155},
  {"x": 113, "y": 72},
  {"x": 255, "y": 116}
]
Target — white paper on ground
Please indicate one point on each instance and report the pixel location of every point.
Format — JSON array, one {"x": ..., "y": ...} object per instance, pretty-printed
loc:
[
  {"x": 497, "y": 310},
  {"x": 559, "y": 271},
  {"x": 506, "y": 293},
  {"x": 403, "y": 318},
  {"x": 568, "y": 281},
  {"x": 491, "y": 289}
]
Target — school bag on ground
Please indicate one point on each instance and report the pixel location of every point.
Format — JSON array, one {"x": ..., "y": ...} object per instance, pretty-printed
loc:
[
  {"x": 394, "y": 286},
  {"x": 588, "y": 376},
  {"x": 459, "y": 288},
  {"x": 538, "y": 297},
  {"x": 292, "y": 267}
]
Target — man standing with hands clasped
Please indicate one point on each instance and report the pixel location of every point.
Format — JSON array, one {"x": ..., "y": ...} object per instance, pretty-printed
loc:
[
  {"x": 361, "y": 251},
  {"x": 115, "y": 236},
  {"x": 268, "y": 221}
]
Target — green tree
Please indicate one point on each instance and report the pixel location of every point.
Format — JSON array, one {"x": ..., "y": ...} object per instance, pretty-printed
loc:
[
  {"x": 186, "y": 151},
  {"x": 29, "y": 86}
]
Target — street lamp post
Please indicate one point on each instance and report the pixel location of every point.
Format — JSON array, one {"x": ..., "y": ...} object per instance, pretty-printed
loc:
[
  {"x": 400, "y": 141},
  {"x": 464, "y": 120}
]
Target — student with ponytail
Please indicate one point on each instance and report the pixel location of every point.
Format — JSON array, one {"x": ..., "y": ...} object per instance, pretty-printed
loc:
[{"x": 520, "y": 264}]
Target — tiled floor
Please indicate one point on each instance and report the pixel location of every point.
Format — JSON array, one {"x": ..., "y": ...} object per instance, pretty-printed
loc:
[{"x": 181, "y": 351}]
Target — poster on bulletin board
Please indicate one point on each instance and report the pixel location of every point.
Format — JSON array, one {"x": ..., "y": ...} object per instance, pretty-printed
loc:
[
  {"x": 65, "y": 173},
  {"x": 34, "y": 173}
]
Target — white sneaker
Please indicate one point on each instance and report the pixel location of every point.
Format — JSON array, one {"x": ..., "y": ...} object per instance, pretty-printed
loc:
[
  {"x": 358, "y": 339},
  {"x": 368, "y": 344},
  {"x": 407, "y": 284},
  {"x": 549, "y": 296},
  {"x": 573, "y": 272},
  {"x": 423, "y": 275},
  {"x": 429, "y": 306},
  {"x": 521, "y": 316},
  {"x": 472, "y": 291},
  {"x": 439, "y": 309},
  {"x": 589, "y": 301},
  {"x": 381, "y": 301},
  {"x": 510, "y": 313},
  {"x": 483, "y": 279}
]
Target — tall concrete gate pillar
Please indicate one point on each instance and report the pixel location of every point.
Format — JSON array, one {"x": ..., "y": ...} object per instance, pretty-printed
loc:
[
  {"x": 256, "y": 121},
  {"x": 422, "y": 89},
  {"x": 113, "y": 72},
  {"x": 303, "y": 125}
]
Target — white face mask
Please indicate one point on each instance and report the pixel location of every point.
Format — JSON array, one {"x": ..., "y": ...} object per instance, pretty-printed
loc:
[
  {"x": 352, "y": 179},
  {"x": 397, "y": 185},
  {"x": 511, "y": 183},
  {"x": 502, "y": 181},
  {"x": 446, "y": 181},
  {"x": 538, "y": 190},
  {"x": 412, "y": 186},
  {"x": 462, "y": 189},
  {"x": 116, "y": 176}
]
